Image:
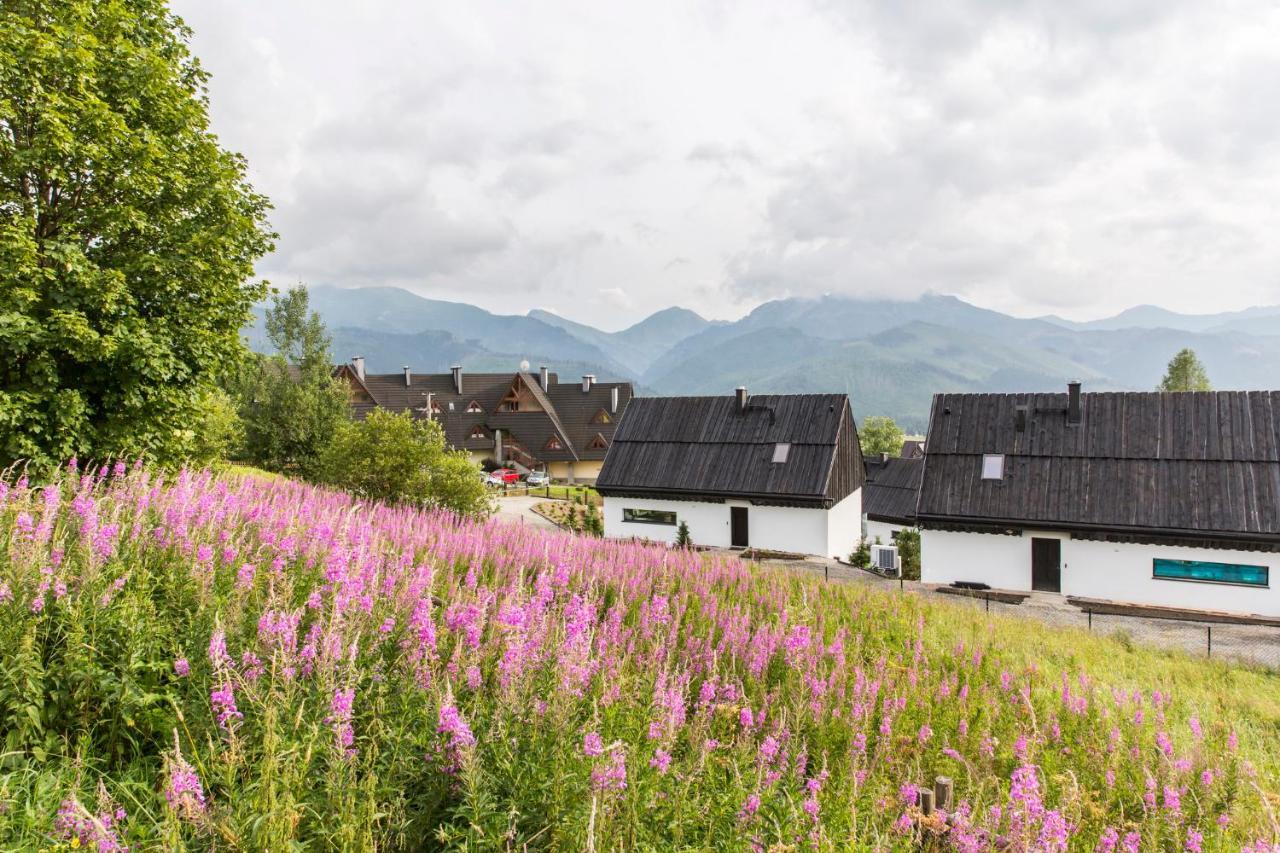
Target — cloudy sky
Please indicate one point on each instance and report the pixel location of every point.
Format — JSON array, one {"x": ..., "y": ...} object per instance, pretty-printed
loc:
[{"x": 604, "y": 160}]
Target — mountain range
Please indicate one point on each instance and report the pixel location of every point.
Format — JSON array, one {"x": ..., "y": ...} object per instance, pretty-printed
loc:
[{"x": 889, "y": 356}]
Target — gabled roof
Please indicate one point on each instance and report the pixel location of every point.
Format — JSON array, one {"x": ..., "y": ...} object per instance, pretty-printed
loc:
[
  {"x": 707, "y": 448},
  {"x": 1194, "y": 464},
  {"x": 567, "y": 414},
  {"x": 892, "y": 489},
  {"x": 912, "y": 448}
]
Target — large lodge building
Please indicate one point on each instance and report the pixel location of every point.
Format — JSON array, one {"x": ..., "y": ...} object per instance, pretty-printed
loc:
[{"x": 525, "y": 420}]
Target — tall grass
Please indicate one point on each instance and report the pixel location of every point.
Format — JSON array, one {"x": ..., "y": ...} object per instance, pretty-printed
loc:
[{"x": 238, "y": 663}]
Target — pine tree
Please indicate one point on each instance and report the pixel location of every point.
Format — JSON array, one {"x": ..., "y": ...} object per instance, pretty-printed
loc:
[
  {"x": 1185, "y": 373},
  {"x": 683, "y": 539}
]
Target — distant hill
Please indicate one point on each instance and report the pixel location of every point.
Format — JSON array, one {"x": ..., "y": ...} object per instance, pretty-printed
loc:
[{"x": 890, "y": 356}]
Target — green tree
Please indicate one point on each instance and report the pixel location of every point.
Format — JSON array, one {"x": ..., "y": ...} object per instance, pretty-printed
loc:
[
  {"x": 290, "y": 402},
  {"x": 880, "y": 435},
  {"x": 683, "y": 539},
  {"x": 908, "y": 542},
  {"x": 128, "y": 236},
  {"x": 1185, "y": 373},
  {"x": 396, "y": 458}
]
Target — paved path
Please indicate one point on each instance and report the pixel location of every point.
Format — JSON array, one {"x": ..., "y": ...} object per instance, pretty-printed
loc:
[{"x": 520, "y": 511}]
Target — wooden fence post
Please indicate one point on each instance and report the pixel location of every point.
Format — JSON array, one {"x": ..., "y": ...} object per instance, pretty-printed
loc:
[
  {"x": 926, "y": 802},
  {"x": 942, "y": 790}
]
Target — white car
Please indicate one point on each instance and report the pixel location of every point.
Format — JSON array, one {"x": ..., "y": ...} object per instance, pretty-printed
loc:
[{"x": 538, "y": 478}]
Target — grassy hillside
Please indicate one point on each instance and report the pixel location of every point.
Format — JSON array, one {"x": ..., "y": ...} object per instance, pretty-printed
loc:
[{"x": 242, "y": 663}]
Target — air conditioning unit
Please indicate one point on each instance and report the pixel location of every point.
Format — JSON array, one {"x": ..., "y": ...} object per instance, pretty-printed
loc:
[{"x": 885, "y": 559}]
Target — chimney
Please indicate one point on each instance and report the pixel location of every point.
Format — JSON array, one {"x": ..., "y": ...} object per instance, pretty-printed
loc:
[
  {"x": 430, "y": 407},
  {"x": 884, "y": 456},
  {"x": 544, "y": 377},
  {"x": 408, "y": 380},
  {"x": 1073, "y": 401},
  {"x": 457, "y": 378},
  {"x": 357, "y": 361},
  {"x": 742, "y": 398},
  {"x": 587, "y": 381},
  {"x": 613, "y": 399}
]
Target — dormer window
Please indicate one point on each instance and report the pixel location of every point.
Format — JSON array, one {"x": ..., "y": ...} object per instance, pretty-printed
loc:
[
  {"x": 781, "y": 451},
  {"x": 598, "y": 443},
  {"x": 602, "y": 417},
  {"x": 474, "y": 408},
  {"x": 478, "y": 431},
  {"x": 553, "y": 443},
  {"x": 993, "y": 466},
  {"x": 435, "y": 406}
]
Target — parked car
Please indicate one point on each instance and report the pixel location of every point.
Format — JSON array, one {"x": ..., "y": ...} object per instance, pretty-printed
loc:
[
  {"x": 538, "y": 478},
  {"x": 504, "y": 477}
]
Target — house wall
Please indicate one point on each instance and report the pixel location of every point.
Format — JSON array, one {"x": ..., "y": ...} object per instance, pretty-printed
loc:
[
  {"x": 1092, "y": 569},
  {"x": 796, "y": 529},
  {"x": 883, "y": 529},
  {"x": 582, "y": 471},
  {"x": 844, "y": 526}
]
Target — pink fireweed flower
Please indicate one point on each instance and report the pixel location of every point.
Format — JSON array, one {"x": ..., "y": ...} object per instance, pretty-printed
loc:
[
  {"x": 182, "y": 667},
  {"x": 613, "y": 775},
  {"x": 6, "y": 594},
  {"x": 749, "y": 808},
  {"x": 75, "y": 823},
  {"x": 223, "y": 699},
  {"x": 1197, "y": 730},
  {"x": 769, "y": 749},
  {"x": 1194, "y": 840},
  {"x": 183, "y": 791},
  {"x": 244, "y": 577},
  {"x": 1206, "y": 777},
  {"x": 924, "y": 734},
  {"x": 1107, "y": 843},
  {"x": 661, "y": 760},
  {"x": 592, "y": 744},
  {"x": 340, "y": 711},
  {"x": 745, "y": 718},
  {"x": 460, "y": 739}
]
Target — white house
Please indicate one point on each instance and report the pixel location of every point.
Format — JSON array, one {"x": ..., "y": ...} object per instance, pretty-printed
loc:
[
  {"x": 1160, "y": 499},
  {"x": 778, "y": 472},
  {"x": 889, "y": 495}
]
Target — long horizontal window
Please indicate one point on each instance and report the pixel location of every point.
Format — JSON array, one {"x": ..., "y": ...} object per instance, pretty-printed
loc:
[
  {"x": 649, "y": 516},
  {"x": 1198, "y": 570}
]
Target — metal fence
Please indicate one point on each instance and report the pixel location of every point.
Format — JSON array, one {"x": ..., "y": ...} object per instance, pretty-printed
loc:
[
  {"x": 1251, "y": 644},
  {"x": 1257, "y": 645}
]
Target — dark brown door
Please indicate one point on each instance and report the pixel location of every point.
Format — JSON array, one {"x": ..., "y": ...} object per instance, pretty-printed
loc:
[
  {"x": 738, "y": 526},
  {"x": 1046, "y": 565}
]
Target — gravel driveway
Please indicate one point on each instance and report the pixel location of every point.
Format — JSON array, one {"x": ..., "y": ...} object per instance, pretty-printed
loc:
[{"x": 520, "y": 511}]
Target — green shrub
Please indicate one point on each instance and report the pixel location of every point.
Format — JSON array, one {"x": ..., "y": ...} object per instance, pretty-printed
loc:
[{"x": 400, "y": 459}]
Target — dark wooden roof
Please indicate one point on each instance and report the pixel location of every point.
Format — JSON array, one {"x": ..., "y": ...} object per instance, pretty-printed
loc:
[
  {"x": 705, "y": 447},
  {"x": 1202, "y": 464},
  {"x": 912, "y": 448},
  {"x": 892, "y": 489},
  {"x": 569, "y": 412}
]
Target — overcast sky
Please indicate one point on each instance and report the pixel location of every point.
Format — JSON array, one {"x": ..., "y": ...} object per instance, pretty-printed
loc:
[{"x": 604, "y": 160}]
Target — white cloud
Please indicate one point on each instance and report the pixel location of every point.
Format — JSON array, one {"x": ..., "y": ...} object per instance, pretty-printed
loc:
[{"x": 605, "y": 161}]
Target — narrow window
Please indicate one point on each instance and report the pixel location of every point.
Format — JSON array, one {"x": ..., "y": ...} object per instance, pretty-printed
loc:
[
  {"x": 1206, "y": 572},
  {"x": 993, "y": 466},
  {"x": 780, "y": 452},
  {"x": 649, "y": 516}
]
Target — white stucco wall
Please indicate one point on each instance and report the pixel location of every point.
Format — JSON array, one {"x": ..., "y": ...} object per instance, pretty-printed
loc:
[
  {"x": 1114, "y": 571},
  {"x": 883, "y": 529},
  {"x": 844, "y": 526},
  {"x": 779, "y": 528}
]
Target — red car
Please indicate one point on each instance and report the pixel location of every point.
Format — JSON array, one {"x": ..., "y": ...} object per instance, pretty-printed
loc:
[{"x": 504, "y": 477}]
